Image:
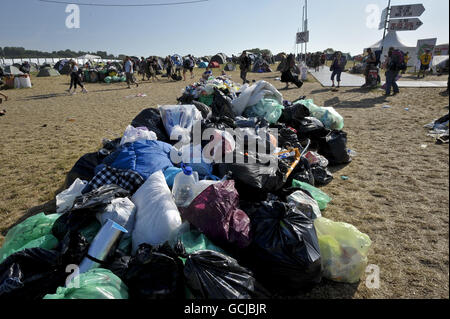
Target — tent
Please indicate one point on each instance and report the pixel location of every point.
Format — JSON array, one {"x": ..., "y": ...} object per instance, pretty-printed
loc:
[
  {"x": 220, "y": 58},
  {"x": 203, "y": 65},
  {"x": 62, "y": 66},
  {"x": 440, "y": 64},
  {"x": 44, "y": 72},
  {"x": 392, "y": 40},
  {"x": 230, "y": 67},
  {"x": 89, "y": 57},
  {"x": 214, "y": 65},
  {"x": 10, "y": 69},
  {"x": 261, "y": 66},
  {"x": 177, "y": 60}
]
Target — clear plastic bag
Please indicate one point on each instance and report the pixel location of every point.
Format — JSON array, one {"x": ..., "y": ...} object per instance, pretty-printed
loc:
[
  {"x": 300, "y": 198},
  {"x": 133, "y": 134},
  {"x": 330, "y": 118},
  {"x": 343, "y": 249},
  {"x": 179, "y": 120}
]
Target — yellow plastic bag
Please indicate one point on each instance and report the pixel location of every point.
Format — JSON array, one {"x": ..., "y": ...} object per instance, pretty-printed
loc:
[{"x": 343, "y": 250}]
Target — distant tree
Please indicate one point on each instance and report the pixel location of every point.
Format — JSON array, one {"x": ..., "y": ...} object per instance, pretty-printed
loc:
[{"x": 259, "y": 51}]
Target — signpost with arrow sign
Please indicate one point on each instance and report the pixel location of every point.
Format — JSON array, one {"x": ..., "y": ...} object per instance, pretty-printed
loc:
[
  {"x": 407, "y": 11},
  {"x": 404, "y": 24}
]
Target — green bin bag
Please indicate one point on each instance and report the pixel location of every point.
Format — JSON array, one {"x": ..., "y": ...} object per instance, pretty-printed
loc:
[
  {"x": 194, "y": 241},
  {"x": 97, "y": 283},
  {"x": 123, "y": 79},
  {"x": 108, "y": 79},
  {"x": 269, "y": 109},
  {"x": 321, "y": 198},
  {"x": 34, "y": 232},
  {"x": 206, "y": 99},
  {"x": 330, "y": 118}
]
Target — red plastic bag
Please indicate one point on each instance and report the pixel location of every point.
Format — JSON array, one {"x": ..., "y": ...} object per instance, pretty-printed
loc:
[{"x": 215, "y": 212}]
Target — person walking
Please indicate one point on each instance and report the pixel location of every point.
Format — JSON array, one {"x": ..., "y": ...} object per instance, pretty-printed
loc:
[
  {"x": 75, "y": 78},
  {"x": 153, "y": 67},
  {"x": 244, "y": 64},
  {"x": 188, "y": 65},
  {"x": 323, "y": 60},
  {"x": 425, "y": 60},
  {"x": 142, "y": 67},
  {"x": 316, "y": 61},
  {"x": 392, "y": 70},
  {"x": 169, "y": 67},
  {"x": 287, "y": 73},
  {"x": 129, "y": 72},
  {"x": 337, "y": 68}
]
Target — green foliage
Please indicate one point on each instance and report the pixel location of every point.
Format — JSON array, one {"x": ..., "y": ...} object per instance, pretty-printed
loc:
[
  {"x": 19, "y": 52},
  {"x": 259, "y": 51}
]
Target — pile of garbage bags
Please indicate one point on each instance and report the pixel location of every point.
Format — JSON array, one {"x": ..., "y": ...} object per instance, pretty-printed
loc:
[{"x": 214, "y": 198}]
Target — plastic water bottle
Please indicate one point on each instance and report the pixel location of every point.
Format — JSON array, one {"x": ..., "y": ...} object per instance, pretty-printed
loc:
[
  {"x": 351, "y": 153},
  {"x": 183, "y": 186}
]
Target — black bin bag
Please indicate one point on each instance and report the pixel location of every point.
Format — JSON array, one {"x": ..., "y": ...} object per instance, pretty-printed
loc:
[
  {"x": 284, "y": 254},
  {"x": 153, "y": 273},
  {"x": 212, "y": 275},
  {"x": 30, "y": 274},
  {"x": 151, "y": 119},
  {"x": 334, "y": 148},
  {"x": 256, "y": 177},
  {"x": 221, "y": 105},
  {"x": 84, "y": 168}
]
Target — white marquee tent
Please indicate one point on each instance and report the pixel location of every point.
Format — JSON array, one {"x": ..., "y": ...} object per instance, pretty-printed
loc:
[{"x": 392, "y": 40}]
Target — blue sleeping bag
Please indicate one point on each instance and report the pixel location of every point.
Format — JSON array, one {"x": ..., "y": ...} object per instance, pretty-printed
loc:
[{"x": 144, "y": 157}]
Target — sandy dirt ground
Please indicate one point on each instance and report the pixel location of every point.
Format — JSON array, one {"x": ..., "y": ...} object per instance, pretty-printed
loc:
[{"x": 397, "y": 192}]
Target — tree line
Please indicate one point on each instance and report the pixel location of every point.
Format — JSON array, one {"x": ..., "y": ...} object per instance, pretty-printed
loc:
[{"x": 19, "y": 52}]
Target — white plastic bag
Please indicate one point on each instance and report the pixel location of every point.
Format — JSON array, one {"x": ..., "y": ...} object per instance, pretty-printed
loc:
[
  {"x": 122, "y": 211},
  {"x": 251, "y": 95},
  {"x": 65, "y": 199},
  {"x": 157, "y": 216},
  {"x": 182, "y": 116},
  {"x": 133, "y": 134},
  {"x": 300, "y": 198}
]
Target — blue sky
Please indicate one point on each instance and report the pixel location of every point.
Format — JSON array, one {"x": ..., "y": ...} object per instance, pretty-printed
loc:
[{"x": 207, "y": 28}]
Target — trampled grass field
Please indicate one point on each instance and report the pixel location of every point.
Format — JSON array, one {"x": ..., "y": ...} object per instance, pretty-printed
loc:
[{"x": 397, "y": 192}]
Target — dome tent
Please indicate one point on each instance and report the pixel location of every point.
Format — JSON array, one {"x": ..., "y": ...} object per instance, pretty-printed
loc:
[
  {"x": 10, "y": 69},
  {"x": 44, "y": 72},
  {"x": 230, "y": 66},
  {"x": 220, "y": 58}
]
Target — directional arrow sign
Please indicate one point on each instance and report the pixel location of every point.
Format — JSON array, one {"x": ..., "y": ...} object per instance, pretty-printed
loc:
[
  {"x": 407, "y": 11},
  {"x": 383, "y": 19},
  {"x": 404, "y": 24}
]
